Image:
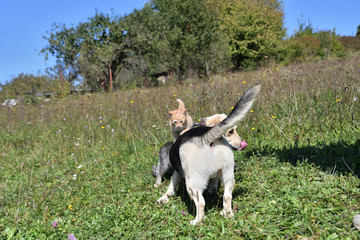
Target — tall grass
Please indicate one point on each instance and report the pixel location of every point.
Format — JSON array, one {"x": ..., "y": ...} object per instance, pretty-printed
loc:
[{"x": 84, "y": 161}]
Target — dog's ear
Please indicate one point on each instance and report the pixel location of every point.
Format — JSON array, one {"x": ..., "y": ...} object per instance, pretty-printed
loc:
[{"x": 171, "y": 113}]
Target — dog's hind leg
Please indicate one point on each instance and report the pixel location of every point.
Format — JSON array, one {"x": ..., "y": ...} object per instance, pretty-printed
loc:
[
  {"x": 175, "y": 180},
  {"x": 197, "y": 197},
  {"x": 228, "y": 183},
  {"x": 158, "y": 181},
  {"x": 157, "y": 174}
]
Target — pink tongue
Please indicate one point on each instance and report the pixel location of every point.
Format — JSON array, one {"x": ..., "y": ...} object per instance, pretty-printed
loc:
[{"x": 243, "y": 146}]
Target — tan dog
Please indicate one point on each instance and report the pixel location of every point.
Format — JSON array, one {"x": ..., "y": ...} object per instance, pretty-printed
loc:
[
  {"x": 180, "y": 121},
  {"x": 231, "y": 135}
]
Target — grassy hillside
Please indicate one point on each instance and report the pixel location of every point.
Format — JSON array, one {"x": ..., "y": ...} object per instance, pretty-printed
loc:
[{"x": 84, "y": 163}]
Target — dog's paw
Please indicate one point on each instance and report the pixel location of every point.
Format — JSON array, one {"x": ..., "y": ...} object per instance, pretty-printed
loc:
[
  {"x": 226, "y": 214},
  {"x": 194, "y": 222},
  {"x": 163, "y": 199},
  {"x": 156, "y": 185}
]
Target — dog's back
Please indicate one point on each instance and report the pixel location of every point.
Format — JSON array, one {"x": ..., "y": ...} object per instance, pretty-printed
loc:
[{"x": 175, "y": 149}]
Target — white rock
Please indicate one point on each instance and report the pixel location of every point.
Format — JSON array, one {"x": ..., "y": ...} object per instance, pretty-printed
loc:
[
  {"x": 9, "y": 103},
  {"x": 356, "y": 221}
]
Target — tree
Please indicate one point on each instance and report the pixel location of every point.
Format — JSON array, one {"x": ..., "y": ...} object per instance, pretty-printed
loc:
[
  {"x": 146, "y": 35},
  {"x": 64, "y": 45},
  {"x": 90, "y": 48},
  {"x": 254, "y": 29},
  {"x": 190, "y": 28},
  {"x": 103, "y": 47},
  {"x": 358, "y": 30}
]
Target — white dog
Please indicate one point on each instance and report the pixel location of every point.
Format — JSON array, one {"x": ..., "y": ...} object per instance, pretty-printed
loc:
[
  {"x": 202, "y": 154},
  {"x": 164, "y": 166}
]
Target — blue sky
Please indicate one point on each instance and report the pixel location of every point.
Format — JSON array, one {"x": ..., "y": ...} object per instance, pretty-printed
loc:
[{"x": 23, "y": 23}]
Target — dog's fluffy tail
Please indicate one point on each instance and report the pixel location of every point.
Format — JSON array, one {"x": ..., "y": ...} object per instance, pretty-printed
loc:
[
  {"x": 181, "y": 105},
  {"x": 237, "y": 114}
]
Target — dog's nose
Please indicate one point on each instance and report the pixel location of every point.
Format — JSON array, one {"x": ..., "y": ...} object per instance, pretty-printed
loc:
[{"x": 243, "y": 145}]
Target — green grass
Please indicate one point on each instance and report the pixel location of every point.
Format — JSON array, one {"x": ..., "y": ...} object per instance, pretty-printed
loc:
[{"x": 85, "y": 162}]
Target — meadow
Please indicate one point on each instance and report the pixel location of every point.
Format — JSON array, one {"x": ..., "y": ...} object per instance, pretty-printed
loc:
[{"x": 81, "y": 165}]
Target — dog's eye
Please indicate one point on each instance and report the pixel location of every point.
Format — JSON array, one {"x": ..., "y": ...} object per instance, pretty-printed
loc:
[
  {"x": 231, "y": 131},
  {"x": 174, "y": 121},
  {"x": 181, "y": 121}
]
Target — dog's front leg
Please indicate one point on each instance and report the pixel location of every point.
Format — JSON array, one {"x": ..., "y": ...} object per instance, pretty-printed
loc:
[{"x": 175, "y": 180}]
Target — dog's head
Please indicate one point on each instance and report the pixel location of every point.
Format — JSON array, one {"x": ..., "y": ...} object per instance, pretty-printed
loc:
[
  {"x": 235, "y": 141},
  {"x": 178, "y": 116}
]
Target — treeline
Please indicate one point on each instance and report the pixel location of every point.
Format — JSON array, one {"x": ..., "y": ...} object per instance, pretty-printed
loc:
[{"x": 189, "y": 38}]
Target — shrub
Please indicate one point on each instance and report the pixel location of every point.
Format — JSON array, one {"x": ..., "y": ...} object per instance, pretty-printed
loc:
[
  {"x": 350, "y": 44},
  {"x": 307, "y": 44}
]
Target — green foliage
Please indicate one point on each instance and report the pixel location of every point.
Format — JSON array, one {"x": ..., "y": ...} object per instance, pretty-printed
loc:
[
  {"x": 191, "y": 37},
  {"x": 102, "y": 45},
  {"x": 64, "y": 45},
  {"x": 163, "y": 35},
  {"x": 351, "y": 44},
  {"x": 307, "y": 44},
  {"x": 254, "y": 30},
  {"x": 146, "y": 31},
  {"x": 190, "y": 30},
  {"x": 89, "y": 48},
  {"x": 358, "y": 30},
  {"x": 28, "y": 83}
]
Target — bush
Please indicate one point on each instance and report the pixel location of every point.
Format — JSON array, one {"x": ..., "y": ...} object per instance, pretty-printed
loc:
[
  {"x": 310, "y": 45},
  {"x": 350, "y": 44},
  {"x": 28, "y": 83}
]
